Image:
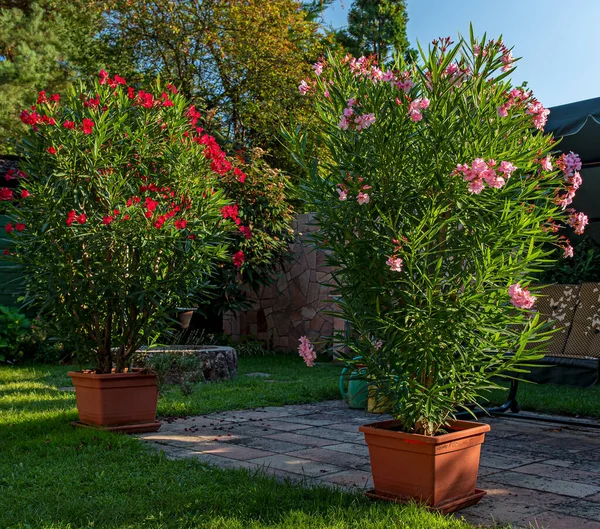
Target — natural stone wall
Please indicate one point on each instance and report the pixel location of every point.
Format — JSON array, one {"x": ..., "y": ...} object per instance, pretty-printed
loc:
[
  {"x": 295, "y": 304},
  {"x": 214, "y": 362}
]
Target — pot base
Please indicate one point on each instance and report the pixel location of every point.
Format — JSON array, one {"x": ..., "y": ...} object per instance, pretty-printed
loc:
[
  {"x": 446, "y": 507},
  {"x": 124, "y": 428}
]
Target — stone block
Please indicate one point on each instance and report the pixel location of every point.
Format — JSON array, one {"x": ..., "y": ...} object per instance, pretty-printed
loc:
[
  {"x": 303, "y": 282},
  {"x": 298, "y": 438},
  {"x": 296, "y": 465},
  {"x": 308, "y": 313}
]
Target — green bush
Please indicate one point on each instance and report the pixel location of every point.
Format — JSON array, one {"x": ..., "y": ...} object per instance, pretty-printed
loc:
[
  {"x": 14, "y": 327},
  {"x": 438, "y": 201}
]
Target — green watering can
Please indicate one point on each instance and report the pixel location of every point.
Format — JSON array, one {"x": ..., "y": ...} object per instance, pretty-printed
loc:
[{"x": 358, "y": 388}]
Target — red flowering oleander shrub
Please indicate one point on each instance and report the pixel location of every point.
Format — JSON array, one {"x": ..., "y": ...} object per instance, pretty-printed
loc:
[
  {"x": 120, "y": 214},
  {"x": 263, "y": 238},
  {"x": 439, "y": 200}
]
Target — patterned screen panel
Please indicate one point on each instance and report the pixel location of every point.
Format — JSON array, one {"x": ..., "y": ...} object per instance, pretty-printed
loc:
[{"x": 584, "y": 338}]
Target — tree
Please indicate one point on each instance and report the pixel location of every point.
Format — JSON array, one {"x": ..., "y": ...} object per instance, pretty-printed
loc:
[
  {"x": 375, "y": 27},
  {"x": 45, "y": 44},
  {"x": 242, "y": 59}
]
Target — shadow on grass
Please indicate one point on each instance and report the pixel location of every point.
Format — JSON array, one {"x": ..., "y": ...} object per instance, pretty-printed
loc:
[{"x": 112, "y": 482}]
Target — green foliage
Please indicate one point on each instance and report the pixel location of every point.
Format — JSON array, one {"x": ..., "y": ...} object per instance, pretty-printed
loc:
[
  {"x": 241, "y": 59},
  {"x": 45, "y": 44},
  {"x": 263, "y": 203},
  {"x": 248, "y": 346},
  {"x": 583, "y": 267},
  {"x": 422, "y": 270},
  {"x": 183, "y": 369},
  {"x": 120, "y": 220},
  {"x": 13, "y": 328},
  {"x": 24, "y": 341},
  {"x": 376, "y": 27}
]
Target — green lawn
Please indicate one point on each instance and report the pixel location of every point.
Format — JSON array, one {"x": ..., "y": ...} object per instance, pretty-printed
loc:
[
  {"x": 53, "y": 476},
  {"x": 548, "y": 398}
]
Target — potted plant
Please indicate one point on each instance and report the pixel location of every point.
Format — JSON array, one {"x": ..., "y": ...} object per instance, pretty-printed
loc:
[
  {"x": 437, "y": 196},
  {"x": 119, "y": 217}
]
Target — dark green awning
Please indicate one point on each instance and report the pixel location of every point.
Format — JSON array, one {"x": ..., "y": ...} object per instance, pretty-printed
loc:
[{"x": 578, "y": 124}]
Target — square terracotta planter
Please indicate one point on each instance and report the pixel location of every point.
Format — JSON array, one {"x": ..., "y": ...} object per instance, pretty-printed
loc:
[
  {"x": 123, "y": 402},
  {"x": 440, "y": 471}
]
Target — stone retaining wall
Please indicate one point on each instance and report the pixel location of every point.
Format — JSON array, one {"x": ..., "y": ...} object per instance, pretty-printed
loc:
[{"x": 295, "y": 304}]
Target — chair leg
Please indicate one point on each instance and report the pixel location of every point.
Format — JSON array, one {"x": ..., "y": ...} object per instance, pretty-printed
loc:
[{"x": 511, "y": 401}]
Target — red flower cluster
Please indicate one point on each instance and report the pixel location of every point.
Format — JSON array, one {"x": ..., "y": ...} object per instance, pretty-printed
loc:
[
  {"x": 218, "y": 160},
  {"x": 92, "y": 102},
  {"x": 246, "y": 231},
  {"x": 6, "y": 193},
  {"x": 72, "y": 217},
  {"x": 68, "y": 124},
  {"x": 24, "y": 193},
  {"x": 145, "y": 99},
  {"x": 55, "y": 98},
  {"x": 13, "y": 174},
  {"x": 240, "y": 175},
  {"x": 19, "y": 226},
  {"x": 193, "y": 115},
  {"x": 34, "y": 119},
  {"x": 114, "y": 82},
  {"x": 166, "y": 102},
  {"x": 231, "y": 212},
  {"x": 51, "y": 150},
  {"x": 87, "y": 125},
  {"x": 238, "y": 259}
]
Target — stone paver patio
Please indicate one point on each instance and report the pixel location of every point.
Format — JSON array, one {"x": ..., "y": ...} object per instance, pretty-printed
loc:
[{"x": 542, "y": 474}]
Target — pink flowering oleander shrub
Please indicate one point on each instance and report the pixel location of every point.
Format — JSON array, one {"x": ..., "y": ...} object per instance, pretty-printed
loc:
[
  {"x": 120, "y": 213},
  {"x": 436, "y": 217}
]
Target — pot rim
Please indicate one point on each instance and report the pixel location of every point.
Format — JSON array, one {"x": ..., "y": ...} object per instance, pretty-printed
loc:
[
  {"x": 464, "y": 429},
  {"x": 137, "y": 372}
]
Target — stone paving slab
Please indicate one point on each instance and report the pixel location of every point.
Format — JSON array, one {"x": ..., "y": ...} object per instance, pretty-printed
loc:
[{"x": 536, "y": 474}]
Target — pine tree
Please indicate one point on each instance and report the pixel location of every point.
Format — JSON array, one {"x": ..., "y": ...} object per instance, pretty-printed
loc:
[{"x": 376, "y": 27}]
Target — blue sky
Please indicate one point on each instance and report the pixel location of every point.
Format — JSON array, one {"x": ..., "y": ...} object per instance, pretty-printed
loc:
[{"x": 558, "y": 40}]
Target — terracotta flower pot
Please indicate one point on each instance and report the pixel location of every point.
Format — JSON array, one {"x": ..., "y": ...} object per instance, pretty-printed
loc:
[
  {"x": 440, "y": 471},
  {"x": 185, "y": 317},
  {"x": 123, "y": 402}
]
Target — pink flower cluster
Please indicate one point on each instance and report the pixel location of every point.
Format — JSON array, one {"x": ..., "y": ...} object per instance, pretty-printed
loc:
[
  {"x": 365, "y": 66},
  {"x": 481, "y": 171},
  {"x": 578, "y": 221},
  {"x": 394, "y": 262},
  {"x": 361, "y": 121},
  {"x": 539, "y": 113},
  {"x": 521, "y": 297},
  {"x": 515, "y": 97},
  {"x": 567, "y": 250},
  {"x": 456, "y": 74},
  {"x": 304, "y": 87},
  {"x": 416, "y": 107},
  {"x": 518, "y": 97},
  {"x": 362, "y": 197},
  {"x": 507, "y": 57},
  {"x": 307, "y": 351},
  {"x": 570, "y": 165}
]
